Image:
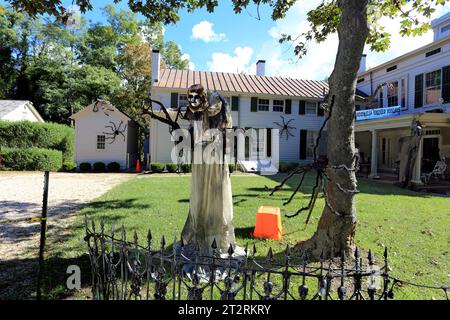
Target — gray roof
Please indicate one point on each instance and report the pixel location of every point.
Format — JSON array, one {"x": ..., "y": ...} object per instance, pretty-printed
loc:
[{"x": 7, "y": 106}]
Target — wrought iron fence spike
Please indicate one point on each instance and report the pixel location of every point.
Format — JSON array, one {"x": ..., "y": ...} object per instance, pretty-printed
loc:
[
  {"x": 356, "y": 253},
  {"x": 288, "y": 250},
  {"x": 254, "y": 249},
  {"x": 385, "y": 252},
  {"x": 214, "y": 244},
  {"x": 149, "y": 235},
  {"x": 321, "y": 256},
  {"x": 343, "y": 256},
  {"x": 135, "y": 237},
  {"x": 370, "y": 257},
  {"x": 246, "y": 248},
  {"x": 230, "y": 250},
  {"x": 270, "y": 254},
  {"x": 163, "y": 242},
  {"x": 123, "y": 233}
]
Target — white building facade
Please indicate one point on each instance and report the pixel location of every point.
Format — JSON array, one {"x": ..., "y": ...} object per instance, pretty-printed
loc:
[
  {"x": 105, "y": 134},
  {"x": 417, "y": 88},
  {"x": 19, "y": 110},
  {"x": 256, "y": 101}
]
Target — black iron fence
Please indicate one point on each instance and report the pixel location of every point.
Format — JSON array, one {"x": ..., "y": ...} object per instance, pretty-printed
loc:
[{"x": 124, "y": 270}]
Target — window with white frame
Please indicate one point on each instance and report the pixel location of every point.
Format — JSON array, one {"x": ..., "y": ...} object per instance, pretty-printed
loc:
[
  {"x": 311, "y": 108},
  {"x": 278, "y": 105},
  {"x": 101, "y": 142},
  {"x": 432, "y": 86},
  {"x": 311, "y": 138},
  {"x": 182, "y": 101},
  {"x": 263, "y": 105},
  {"x": 392, "y": 94}
]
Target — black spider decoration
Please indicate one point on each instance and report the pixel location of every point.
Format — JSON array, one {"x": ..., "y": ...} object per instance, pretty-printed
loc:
[
  {"x": 115, "y": 131},
  {"x": 285, "y": 127},
  {"x": 320, "y": 164}
]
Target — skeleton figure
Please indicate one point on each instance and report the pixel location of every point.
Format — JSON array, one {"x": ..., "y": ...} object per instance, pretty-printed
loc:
[{"x": 210, "y": 207}]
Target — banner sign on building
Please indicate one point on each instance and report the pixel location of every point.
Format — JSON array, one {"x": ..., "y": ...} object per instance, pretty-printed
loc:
[{"x": 377, "y": 113}]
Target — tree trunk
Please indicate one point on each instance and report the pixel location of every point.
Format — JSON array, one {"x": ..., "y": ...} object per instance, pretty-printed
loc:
[{"x": 336, "y": 233}]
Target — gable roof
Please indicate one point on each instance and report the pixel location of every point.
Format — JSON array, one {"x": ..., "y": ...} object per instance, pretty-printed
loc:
[
  {"x": 102, "y": 103},
  {"x": 8, "y": 106},
  {"x": 239, "y": 83}
]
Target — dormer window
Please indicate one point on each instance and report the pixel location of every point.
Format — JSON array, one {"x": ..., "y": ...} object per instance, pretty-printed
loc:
[{"x": 391, "y": 68}]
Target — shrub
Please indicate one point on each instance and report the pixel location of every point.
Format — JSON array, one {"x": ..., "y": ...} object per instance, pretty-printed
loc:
[
  {"x": 99, "y": 167},
  {"x": 287, "y": 166},
  {"x": 32, "y": 159},
  {"x": 172, "y": 167},
  {"x": 185, "y": 168},
  {"x": 85, "y": 167},
  {"x": 26, "y": 134},
  {"x": 69, "y": 166},
  {"x": 157, "y": 167},
  {"x": 113, "y": 167},
  {"x": 231, "y": 167}
]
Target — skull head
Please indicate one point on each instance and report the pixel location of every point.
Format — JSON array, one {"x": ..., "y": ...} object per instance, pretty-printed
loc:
[{"x": 197, "y": 98}]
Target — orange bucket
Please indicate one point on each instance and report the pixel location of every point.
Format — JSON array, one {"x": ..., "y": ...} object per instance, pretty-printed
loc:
[{"x": 268, "y": 223}]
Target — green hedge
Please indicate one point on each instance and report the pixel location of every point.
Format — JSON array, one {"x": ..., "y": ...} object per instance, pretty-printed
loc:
[
  {"x": 172, "y": 167},
  {"x": 32, "y": 159},
  {"x": 287, "y": 166},
  {"x": 26, "y": 134},
  {"x": 157, "y": 167}
]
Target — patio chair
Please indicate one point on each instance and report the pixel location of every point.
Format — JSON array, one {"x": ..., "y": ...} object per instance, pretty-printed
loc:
[{"x": 438, "y": 171}]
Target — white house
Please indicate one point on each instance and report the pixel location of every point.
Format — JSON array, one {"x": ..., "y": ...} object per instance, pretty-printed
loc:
[
  {"x": 257, "y": 101},
  {"x": 418, "y": 89},
  {"x": 18, "y": 110},
  {"x": 105, "y": 134}
]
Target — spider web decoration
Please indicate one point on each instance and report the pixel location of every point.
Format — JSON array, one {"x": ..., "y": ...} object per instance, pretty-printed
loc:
[
  {"x": 285, "y": 127},
  {"x": 319, "y": 165},
  {"x": 115, "y": 131}
]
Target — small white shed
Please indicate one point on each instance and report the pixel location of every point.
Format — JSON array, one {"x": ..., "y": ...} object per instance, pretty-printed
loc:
[
  {"x": 19, "y": 110},
  {"x": 105, "y": 134}
]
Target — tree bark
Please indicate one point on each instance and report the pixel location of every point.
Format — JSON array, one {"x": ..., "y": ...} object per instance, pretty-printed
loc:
[{"x": 336, "y": 233}]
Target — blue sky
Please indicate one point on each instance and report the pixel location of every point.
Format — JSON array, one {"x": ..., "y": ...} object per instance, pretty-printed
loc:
[{"x": 224, "y": 41}]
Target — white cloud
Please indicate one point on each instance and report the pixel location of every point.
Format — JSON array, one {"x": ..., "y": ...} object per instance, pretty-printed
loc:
[
  {"x": 204, "y": 31},
  {"x": 237, "y": 63},
  {"x": 186, "y": 56},
  {"x": 319, "y": 61}
]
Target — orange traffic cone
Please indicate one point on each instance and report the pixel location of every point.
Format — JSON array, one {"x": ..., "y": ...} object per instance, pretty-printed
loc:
[
  {"x": 138, "y": 166},
  {"x": 268, "y": 223}
]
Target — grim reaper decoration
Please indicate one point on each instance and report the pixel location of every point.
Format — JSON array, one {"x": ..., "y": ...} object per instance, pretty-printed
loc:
[
  {"x": 115, "y": 131},
  {"x": 210, "y": 207},
  {"x": 285, "y": 127}
]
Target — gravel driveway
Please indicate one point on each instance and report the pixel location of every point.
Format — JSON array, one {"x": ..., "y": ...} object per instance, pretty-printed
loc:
[{"x": 21, "y": 198}]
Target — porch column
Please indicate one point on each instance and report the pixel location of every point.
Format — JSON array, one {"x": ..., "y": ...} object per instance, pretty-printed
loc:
[
  {"x": 240, "y": 146},
  {"x": 417, "y": 171},
  {"x": 374, "y": 156}
]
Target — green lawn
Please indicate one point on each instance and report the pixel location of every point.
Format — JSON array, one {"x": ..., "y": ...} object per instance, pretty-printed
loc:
[{"x": 414, "y": 227}]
